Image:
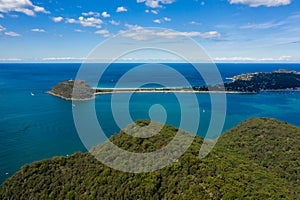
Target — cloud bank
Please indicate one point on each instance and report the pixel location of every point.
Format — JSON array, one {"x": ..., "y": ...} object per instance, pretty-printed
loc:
[
  {"x": 252, "y": 59},
  {"x": 140, "y": 33},
  {"x": 86, "y": 22},
  {"x": 121, "y": 9},
  {"x": 12, "y": 34},
  {"x": 156, "y": 3},
  {"x": 22, "y": 6},
  {"x": 257, "y": 3}
]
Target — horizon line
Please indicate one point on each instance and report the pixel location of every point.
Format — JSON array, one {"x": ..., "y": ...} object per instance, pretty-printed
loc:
[{"x": 147, "y": 62}]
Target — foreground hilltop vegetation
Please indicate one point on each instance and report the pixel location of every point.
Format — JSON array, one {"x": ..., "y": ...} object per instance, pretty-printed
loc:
[
  {"x": 258, "y": 159},
  {"x": 64, "y": 90}
]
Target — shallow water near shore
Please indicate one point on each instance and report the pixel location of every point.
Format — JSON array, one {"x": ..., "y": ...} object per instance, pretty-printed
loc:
[{"x": 35, "y": 125}]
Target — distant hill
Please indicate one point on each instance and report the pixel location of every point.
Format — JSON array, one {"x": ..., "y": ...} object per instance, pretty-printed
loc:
[
  {"x": 64, "y": 90},
  {"x": 258, "y": 159},
  {"x": 282, "y": 79}
]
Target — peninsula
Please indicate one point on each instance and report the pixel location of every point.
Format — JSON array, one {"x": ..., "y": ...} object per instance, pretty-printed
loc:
[
  {"x": 282, "y": 79},
  {"x": 251, "y": 83}
]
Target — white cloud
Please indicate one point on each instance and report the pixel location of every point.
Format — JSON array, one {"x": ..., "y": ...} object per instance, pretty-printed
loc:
[
  {"x": 167, "y": 19},
  {"x": 2, "y": 28},
  {"x": 266, "y": 25},
  {"x": 252, "y": 59},
  {"x": 202, "y": 3},
  {"x": 71, "y": 21},
  {"x": 257, "y": 3},
  {"x": 121, "y": 9},
  {"x": 105, "y": 33},
  {"x": 140, "y": 33},
  {"x": 155, "y": 3},
  {"x": 12, "y": 34},
  {"x": 157, "y": 21},
  {"x": 133, "y": 27},
  {"x": 154, "y": 12},
  {"x": 194, "y": 23},
  {"x": 40, "y": 9},
  {"x": 1, "y": 16},
  {"x": 105, "y": 14},
  {"x": 8, "y": 33},
  {"x": 73, "y": 59},
  {"x": 63, "y": 59},
  {"x": 79, "y": 31},
  {"x": 209, "y": 34},
  {"x": 22, "y": 6},
  {"x": 212, "y": 34},
  {"x": 95, "y": 14},
  {"x": 57, "y": 19},
  {"x": 115, "y": 23},
  {"x": 38, "y": 30},
  {"x": 90, "y": 21},
  {"x": 25, "y": 11},
  {"x": 10, "y": 59}
]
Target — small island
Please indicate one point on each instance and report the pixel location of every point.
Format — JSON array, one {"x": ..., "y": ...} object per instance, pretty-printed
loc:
[{"x": 65, "y": 91}]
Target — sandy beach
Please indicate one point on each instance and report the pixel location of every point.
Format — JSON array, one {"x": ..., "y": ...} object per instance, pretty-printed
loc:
[{"x": 160, "y": 90}]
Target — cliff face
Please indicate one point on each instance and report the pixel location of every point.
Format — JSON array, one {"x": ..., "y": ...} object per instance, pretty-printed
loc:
[
  {"x": 66, "y": 90},
  {"x": 258, "y": 159}
]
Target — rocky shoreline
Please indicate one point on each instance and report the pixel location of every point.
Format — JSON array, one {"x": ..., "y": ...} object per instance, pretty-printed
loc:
[{"x": 69, "y": 99}]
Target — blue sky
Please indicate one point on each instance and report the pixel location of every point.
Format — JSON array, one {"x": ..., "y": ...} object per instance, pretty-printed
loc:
[{"x": 229, "y": 30}]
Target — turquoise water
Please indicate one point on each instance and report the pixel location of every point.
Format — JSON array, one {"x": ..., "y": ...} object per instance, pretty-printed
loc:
[{"x": 35, "y": 126}]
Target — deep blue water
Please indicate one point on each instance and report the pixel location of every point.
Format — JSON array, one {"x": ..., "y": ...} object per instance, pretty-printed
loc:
[{"x": 35, "y": 125}]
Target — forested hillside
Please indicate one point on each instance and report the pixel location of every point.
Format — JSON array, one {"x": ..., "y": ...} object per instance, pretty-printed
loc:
[{"x": 258, "y": 159}]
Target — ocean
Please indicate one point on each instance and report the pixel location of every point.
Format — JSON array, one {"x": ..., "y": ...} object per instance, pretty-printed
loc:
[{"x": 35, "y": 125}]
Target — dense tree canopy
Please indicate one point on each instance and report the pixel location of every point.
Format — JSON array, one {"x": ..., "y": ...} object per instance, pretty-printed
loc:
[
  {"x": 258, "y": 159},
  {"x": 259, "y": 81}
]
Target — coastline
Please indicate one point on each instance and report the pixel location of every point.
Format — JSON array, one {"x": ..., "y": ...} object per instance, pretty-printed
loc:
[
  {"x": 173, "y": 91},
  {"x": 282, "y": 90},
  {"x": 155, "y": 90},
  {"x": 251, "y": 83}
]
